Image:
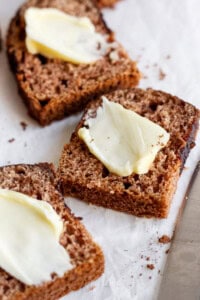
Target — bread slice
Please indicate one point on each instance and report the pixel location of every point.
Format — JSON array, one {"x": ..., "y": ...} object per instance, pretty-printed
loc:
[
  {"x": 52, "y": 88},
  {"x": 39, "y": 182},
  {"x": 106, "y": 3},
  {"x": 84, "y": 176}
]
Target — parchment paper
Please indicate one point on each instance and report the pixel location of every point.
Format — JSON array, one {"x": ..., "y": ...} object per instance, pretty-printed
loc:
[{"x": 164, "y": 37}]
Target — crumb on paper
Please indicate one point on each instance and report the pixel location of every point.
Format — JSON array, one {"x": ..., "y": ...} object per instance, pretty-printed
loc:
[
  {"x": 165, "y": 239},
  {"x": 144, "y": 77},
  {"x": 150, "y": 266},
  {"x": 140, "y": 274},
  {"x": 162, "y": 75},
  {"x": 79, "y": 218},
  {"x": 150, "y": 277},
  {"x": 11, "y": 140},
  {"x": 168, "y": 56},
  {"x": 23, "y": 125},
  {"x": 167, "y": 251},
  {"x": 148, "y": 258},
  {"x": 92, "y": 288}
]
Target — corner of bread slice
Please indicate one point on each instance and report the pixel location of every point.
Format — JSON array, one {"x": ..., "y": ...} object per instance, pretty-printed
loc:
[
  {"x": 83, "y": 176},
  {"x": 39, "y": 181},
  {"x": 52, "y": 88},
  {"x": 106, "y": 3}
]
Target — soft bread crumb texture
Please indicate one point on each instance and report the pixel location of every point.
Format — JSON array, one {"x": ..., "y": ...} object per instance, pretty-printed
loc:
[
  {"x": 84, "y": 176},
  {"x": 39, "y": 181},
  {"x": 52, "y": 88}
]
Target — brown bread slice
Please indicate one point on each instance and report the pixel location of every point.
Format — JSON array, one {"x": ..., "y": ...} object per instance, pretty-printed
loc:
[
  {"x": 84, "y": 176},
  {"x": 52, "y": 88},
  {"x": 39, "y": 181}
]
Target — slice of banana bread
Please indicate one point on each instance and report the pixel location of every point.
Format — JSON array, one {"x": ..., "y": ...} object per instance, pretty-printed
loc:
[
  {"x": 83, "y": 176},
  {"x": 52, "y": 88},
  {"x": 39, "y": 182}
]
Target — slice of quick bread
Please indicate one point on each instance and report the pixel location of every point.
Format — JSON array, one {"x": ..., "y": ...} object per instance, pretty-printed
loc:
[
  {"x": 83, "y": 176},
  {"x": 52, "y": 88},
  {"x": 39, "y": 181}
]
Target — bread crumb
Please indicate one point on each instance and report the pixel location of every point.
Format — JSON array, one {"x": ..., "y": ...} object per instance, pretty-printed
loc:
[
  {"x": 23, "y": 125},
  {"x": 162, "y": 75},
  {"x": 168, "y": 56},
  {"x": 150, "y": 266},
  {"x": 165, "y": 239},
  {"x": 92, "y": 288},
  {"x": 150, "y": 277},
  {"x": 148, "y": 258},
  {"x": 11, "y": 140},
  {"x": 167, "y": 251}
]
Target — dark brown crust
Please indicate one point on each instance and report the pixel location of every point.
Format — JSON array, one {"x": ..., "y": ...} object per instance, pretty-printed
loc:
[
  {"x": 106, "y": 3},
  {"x": 87, "y": 258},
  {"x": 147, "y": 195},
  {"x": 83, "y": 82}
]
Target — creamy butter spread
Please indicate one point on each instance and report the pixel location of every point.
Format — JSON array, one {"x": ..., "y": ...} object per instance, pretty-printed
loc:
[
  {"x": 56, "y": 34},
  {"x": 29, "y": 239},
  {"x": 122, "y": 140}
]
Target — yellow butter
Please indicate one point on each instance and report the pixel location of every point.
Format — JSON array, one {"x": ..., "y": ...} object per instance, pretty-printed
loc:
[
  {"x": 122, "y": 140},
  {"x": 29, "y": 239},
  {"x": 55, "y": 34}
]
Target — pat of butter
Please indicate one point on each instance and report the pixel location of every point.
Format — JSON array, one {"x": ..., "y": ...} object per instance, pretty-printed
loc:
[
  {"x": 122, "y": 140},
  {"x": 55, "y": 34},
  {"x": 29, "y": 239}
]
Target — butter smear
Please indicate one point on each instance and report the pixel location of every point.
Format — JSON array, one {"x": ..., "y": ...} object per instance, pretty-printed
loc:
[
  {"x": 55, "y": 34},
  {"x": 122, "y": 140},
  {"x": 29, "y": 239}
]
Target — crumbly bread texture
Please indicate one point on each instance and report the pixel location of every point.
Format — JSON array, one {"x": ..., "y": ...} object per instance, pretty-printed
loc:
[
  {"x": 39, "y": 181},
  {"x": 84, "y": 176},
  {"x": 106, "y": 3},
  {"x": 52, "y": 88}
]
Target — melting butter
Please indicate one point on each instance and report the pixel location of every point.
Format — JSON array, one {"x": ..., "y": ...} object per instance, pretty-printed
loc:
[
  {"x": 29, "y": 239},
  {"x": 56, "y": 34},
  {"x": 122, "y": 140}
]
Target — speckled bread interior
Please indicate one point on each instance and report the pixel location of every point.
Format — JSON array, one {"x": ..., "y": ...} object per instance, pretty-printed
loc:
[
  {"x": 39, "y": 182},
  {"x": 84, "y": 176},
  {"x": 52, "y": 88}
]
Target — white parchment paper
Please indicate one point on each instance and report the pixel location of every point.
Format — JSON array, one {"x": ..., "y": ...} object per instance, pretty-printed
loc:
[{"x": 163, "y": 36}]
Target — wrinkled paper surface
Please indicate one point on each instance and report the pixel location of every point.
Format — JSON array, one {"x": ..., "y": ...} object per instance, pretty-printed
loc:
[{"x": 164, "y": 37}]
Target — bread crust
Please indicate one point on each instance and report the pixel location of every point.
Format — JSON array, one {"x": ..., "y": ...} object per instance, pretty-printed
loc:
[
  {"x": 53, "y": 89},
  {"x": 147, "y": 195},
  {"x": 87, "y": 258},
  {"x": 106, "y": 3}
]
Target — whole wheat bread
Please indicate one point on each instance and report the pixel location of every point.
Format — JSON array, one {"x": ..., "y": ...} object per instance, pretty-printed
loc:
[
  {"x": 39, "y": 182},
  {"x": 84, "y": 176},
  {"x": 52, "y": 88}
]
